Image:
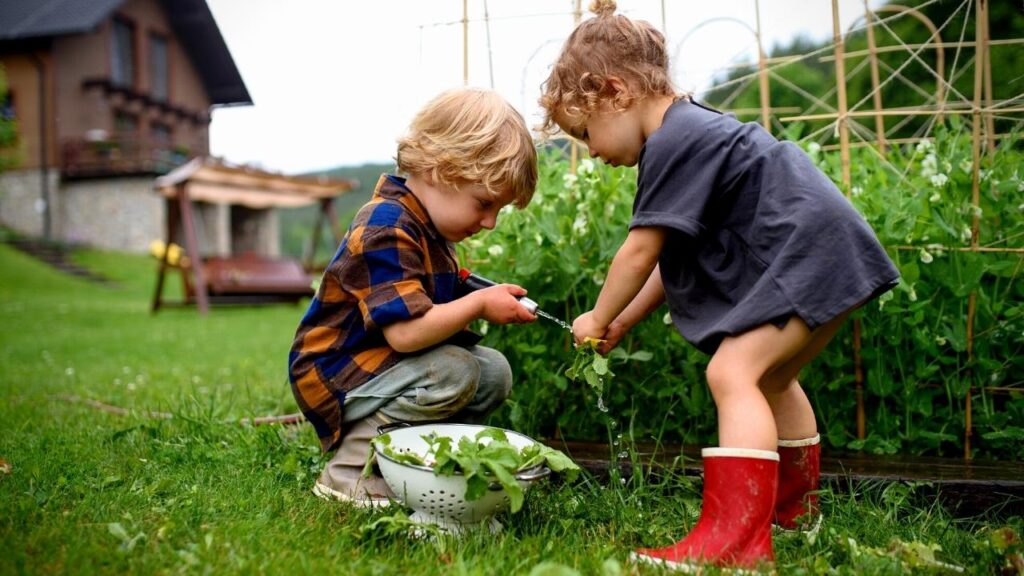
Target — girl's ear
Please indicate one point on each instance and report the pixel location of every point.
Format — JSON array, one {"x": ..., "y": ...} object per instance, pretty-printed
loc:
[{"x": 621, "y": 96}]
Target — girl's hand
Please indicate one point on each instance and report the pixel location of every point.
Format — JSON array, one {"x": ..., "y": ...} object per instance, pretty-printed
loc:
[
  {"x": 585, "y": 327},
  {"x": 616, "y": 331},
  {"x": 500, "y": 306}
]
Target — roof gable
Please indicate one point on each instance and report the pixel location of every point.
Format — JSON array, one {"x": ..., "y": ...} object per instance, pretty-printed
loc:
[{"x": 191, "y": 20}]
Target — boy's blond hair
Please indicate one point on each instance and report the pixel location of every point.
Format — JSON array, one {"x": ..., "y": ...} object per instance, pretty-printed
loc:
[
  {"x": 599, "y": 48},
  {"x": 472, "y": 136}
]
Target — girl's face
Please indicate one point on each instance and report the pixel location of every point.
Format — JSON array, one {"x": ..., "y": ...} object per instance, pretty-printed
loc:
[
  {"x": 614, "y": 136},
  {"x": 458, "y": 213}
]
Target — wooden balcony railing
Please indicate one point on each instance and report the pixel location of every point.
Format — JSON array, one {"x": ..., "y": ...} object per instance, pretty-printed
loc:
[{"x": 120, "y": 156}]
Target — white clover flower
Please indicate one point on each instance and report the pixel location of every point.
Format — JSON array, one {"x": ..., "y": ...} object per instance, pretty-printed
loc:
[
  {"x": 495, "y": 250},
  {"x": 923, "y": 146},
  {"x": 936, "y": 249},
  {"x": 569, "y": 180},
  {"x": 926, "y": 257},
  {"x": 935, "y": 198},
  {"x": 579, "y": 224},
  {"x": 966, "y": 165},
  {"x": 598, "y": 279},
  {"x": 857, "y": 190},
  {"x": 913, "y": 295},
  {"x": 929, "y": 166},
  {"x": 506, "y": 209},
  {"x": 813, "y": 148},
  {"x": 984, "y": 174},
  {"x": 1020, "y": 208},
  {"x": 538, "y": 239},
  {"x": 666, "y": 319},
  {"x": 939, "y": 180},
  {"x": 940, "y": 340},
  {"x": 586, "y": 167},
  {"x": 483, "y": 328},
  {"x": 966, "y": 234},
  {"x": 977, "y": 211}
]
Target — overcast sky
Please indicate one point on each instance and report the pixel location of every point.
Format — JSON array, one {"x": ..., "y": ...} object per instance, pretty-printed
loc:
[{"x": 336, "y": 82}]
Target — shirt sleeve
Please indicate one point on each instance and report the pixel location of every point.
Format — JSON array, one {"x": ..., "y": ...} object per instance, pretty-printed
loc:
[
  {"x": 384, "y": 269},
  {"x": 676, "y": 180}
]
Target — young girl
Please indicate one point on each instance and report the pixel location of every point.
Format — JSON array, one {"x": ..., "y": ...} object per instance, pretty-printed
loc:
[{"x": 758, "y": 254}]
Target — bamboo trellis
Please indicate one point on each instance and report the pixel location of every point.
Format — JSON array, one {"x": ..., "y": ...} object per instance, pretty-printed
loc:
[{"x": 845, "y": 117}]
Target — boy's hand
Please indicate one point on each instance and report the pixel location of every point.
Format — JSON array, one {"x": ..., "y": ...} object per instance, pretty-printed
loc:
[
  {"x": 500, "y": 306},
  {"x": 585, "y": 327}
]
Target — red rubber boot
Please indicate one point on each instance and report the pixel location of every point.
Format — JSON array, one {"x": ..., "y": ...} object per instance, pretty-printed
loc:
[
  {"x": 796, "y": 505},
  {"x": 734, "y": 529}
]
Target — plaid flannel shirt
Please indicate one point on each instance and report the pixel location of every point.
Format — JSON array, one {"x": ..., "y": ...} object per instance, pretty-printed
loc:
[{"x": 392, "y": 265}]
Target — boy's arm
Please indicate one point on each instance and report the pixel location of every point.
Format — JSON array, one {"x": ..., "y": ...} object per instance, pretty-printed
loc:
[
  {"x": 496, "y": 304},
  {"x": 630, "y": 271}
]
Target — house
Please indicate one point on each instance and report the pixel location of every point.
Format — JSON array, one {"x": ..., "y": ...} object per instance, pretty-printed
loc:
[{"x": 107, "y": 95}]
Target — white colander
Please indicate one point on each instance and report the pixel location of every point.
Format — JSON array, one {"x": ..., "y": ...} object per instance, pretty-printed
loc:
[{"x": 441, "y": 500}]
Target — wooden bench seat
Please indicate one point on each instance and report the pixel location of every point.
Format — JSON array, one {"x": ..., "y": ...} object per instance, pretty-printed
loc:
[{"x": 249, "y": 278}]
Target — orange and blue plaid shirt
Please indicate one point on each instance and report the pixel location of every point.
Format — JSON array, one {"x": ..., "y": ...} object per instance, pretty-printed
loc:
[{"x": 392, "y": 265}]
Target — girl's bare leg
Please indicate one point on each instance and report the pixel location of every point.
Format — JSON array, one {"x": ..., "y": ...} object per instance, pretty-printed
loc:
[
  {"x": 794, "y": 417},
  {"x": 753, "y": 374}
]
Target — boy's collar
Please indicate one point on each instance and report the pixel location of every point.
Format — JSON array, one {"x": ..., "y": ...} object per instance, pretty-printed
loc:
[{"x": 394, "y": 188}]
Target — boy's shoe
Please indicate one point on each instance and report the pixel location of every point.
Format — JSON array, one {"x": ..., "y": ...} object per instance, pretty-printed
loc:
[
  {"x": 342, "y": 478},
  {"x": 796, "y": 506},
  {"x": 366, "y": 500}
]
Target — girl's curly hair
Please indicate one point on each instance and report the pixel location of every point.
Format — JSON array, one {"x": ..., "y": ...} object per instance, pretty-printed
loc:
[{"x": 599, "y": 48}]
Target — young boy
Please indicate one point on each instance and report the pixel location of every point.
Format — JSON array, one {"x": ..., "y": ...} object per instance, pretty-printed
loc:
[{"x": 385, "y": 337}]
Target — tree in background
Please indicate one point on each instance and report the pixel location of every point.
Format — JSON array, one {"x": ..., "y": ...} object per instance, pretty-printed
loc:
[{"x": 816, "y": 75}]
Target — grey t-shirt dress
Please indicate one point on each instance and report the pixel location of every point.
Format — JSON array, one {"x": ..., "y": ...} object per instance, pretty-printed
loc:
[{"x": 757, "y": 232}]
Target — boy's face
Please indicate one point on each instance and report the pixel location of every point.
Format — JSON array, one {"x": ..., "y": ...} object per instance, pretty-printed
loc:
[
  {"x": 614, "y": 136},
  {"x": 459, "y": 213}
]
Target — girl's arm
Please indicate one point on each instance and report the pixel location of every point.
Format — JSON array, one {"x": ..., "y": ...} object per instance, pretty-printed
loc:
[
  {"x": 631, "y": 269},
  {"x": 651, "y": 296},
  {"x": 496, "y": 304}
]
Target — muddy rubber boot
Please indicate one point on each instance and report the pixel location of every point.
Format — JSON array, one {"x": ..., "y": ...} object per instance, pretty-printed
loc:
[
  {"x": 342, "y": 477},
  {"x": 796, "y": 505},
  {"x": 734, "y": 529}
]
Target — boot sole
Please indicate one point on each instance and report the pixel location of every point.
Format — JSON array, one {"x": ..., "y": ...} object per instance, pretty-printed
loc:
[
  {"x": 326, "y": 493},
  {"x": 692, "y": 568},
  {"x": 809, "y": 531}
]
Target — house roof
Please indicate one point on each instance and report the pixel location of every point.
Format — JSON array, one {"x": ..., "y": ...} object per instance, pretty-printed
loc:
[
  {"x": 212, "y": 180},
  {"x": 191, "y": 21}
]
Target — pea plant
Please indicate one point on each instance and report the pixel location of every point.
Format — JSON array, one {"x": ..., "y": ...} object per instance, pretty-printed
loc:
[{"x": 914, "y": 343}]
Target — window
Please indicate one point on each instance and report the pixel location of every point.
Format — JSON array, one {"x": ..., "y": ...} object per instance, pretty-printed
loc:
[
  {"x": 122, "y": 54},
  {"x": 7, "y": 106},
  {"x": 158, "y": 77},
  {"x": 160, "y": 132},
  {"x": 125, "y": 124}
]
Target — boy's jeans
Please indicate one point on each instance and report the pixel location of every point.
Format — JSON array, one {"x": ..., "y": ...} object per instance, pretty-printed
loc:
[{"x": 445, "y": 383}]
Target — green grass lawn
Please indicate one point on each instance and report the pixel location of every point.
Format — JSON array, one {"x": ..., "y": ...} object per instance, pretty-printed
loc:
[{"x": 93, "y": 492}]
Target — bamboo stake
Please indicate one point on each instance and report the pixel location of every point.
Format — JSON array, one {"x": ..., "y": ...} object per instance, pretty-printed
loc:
[
  {"x": 844, "y": 154},
  {"x": 976, "y": 120},
  {"x": 465, "y": 42},
  {"x": 986, "y": 50},
  {"x": 875, "y": 82},
  {"x": 899, "y": 112},
  {"x": 762, "y": 68},
  {"x": 574, "y": 153}
]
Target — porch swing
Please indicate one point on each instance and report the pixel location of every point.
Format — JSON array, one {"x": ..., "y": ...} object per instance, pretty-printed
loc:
[{"x": 245, "y": 267}]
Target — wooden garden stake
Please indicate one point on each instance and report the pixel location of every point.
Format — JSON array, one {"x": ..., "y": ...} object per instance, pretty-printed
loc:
[
  {"x": 844, "y": 154},
  {"x": 876, "y": 91},
  {"x": 976, "y": 120},
  {"x": 762, "y": 68}
]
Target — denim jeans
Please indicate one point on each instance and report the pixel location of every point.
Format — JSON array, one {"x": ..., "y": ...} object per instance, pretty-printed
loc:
[{"x": 444, "y": 383}]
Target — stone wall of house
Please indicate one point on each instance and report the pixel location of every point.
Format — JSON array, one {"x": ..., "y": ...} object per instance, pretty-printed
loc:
[
  {"x": 21, "y": 205},
  {"x": 123, "y": 214}
]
